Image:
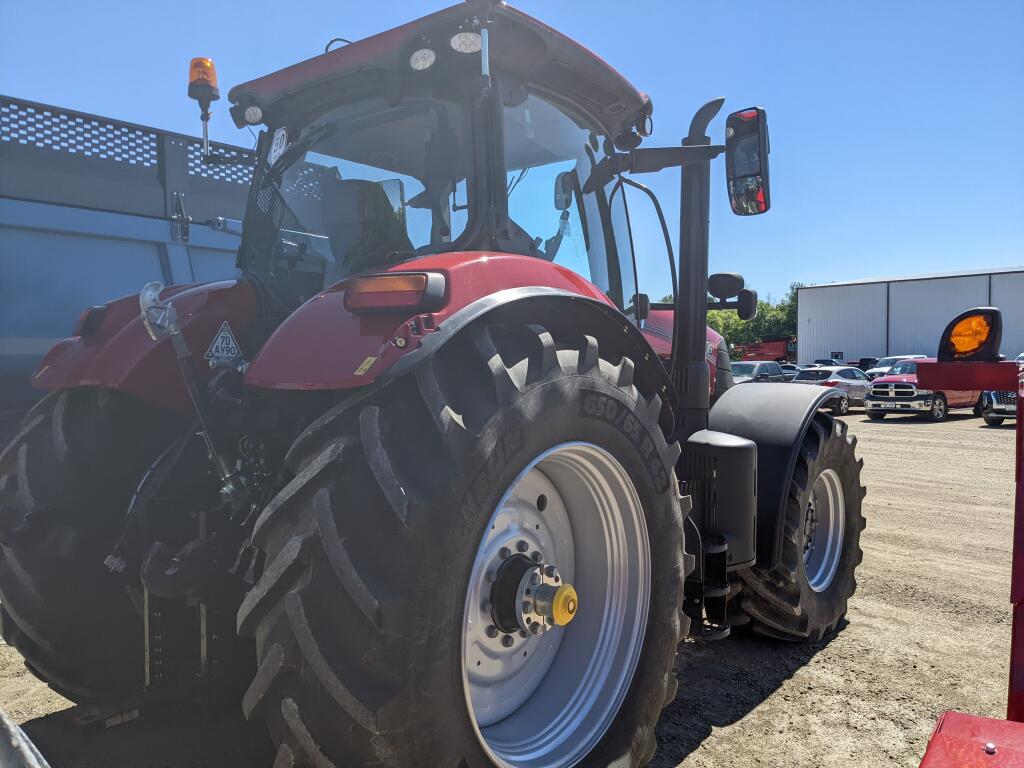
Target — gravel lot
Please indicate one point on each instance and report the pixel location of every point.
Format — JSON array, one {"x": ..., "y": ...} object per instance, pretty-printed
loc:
[{"x": 928, "y": 630}]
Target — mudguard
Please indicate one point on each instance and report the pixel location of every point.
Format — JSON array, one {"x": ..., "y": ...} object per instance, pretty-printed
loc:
[
  {"x": 324, "y": 346},
  {"x": 775, "y": 417},
  {"x": 119, "y": 354}
]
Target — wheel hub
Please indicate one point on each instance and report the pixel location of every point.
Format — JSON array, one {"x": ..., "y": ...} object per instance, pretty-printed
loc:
[{"x": 528, "y": 596}]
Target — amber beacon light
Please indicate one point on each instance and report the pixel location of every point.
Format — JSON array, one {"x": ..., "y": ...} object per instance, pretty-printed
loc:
[{"x": 973, "y": 335}]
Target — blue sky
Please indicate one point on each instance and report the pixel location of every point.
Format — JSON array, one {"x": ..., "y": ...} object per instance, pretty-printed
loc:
[{"x": 895, "y": 125}]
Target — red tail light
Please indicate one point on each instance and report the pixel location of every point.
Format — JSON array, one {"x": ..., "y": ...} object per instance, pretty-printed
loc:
[
  {"x": 394, "y": 291},
  {"x": 829, "y": 383}
]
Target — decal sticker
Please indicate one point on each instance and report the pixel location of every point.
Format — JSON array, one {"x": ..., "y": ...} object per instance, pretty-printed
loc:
[
  {"x": 279, "y": 145},
  {"x": 365, "y": 366},
  {"x": 596, "y": 405},
  {"x": 224, "y": 346}
]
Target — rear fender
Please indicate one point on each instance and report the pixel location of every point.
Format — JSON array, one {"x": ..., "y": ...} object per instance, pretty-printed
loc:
[
  {"x": 776, "y": 417},
  {"x": 323, "y": 346},
  {"x": 120, "y": 354}
]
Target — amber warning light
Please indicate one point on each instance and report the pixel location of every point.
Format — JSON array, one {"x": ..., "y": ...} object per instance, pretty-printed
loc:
[
  {"x": 202, "y": 81},
  {"x": 396, "y": 291}
]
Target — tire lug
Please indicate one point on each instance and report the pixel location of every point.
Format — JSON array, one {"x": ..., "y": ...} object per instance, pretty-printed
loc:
[
  {"x": 522, "y": 546},
  {"x": 504, "y": 553},
  {"x": 491, "y": 577},
  {"x": 535, "y": 579},
  {"x": 535, "y": 628},
  {"x": 522, "y": 634},
  {"x": 537, "y": 557},
  {"x": 507, "y": 641},
  {"x": 527, "y": 606},
  {"x": 550, "y": 571},
  {"x": 492, "y": 631}
]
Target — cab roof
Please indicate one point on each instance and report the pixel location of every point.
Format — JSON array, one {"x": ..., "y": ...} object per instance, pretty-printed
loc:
[{"x": 520, "y": 45}]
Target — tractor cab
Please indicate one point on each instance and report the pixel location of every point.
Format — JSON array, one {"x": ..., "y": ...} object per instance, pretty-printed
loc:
[{"x": 427, "y": 139}]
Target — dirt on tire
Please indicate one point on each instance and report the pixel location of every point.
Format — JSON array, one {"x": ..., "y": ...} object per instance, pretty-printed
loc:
[{"x": 928, "y": 630}]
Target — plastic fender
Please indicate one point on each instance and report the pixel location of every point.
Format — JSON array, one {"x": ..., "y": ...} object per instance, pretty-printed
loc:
[
  {"x": 121, "y": 355},
  {"x": 323, "y": 346},
  {"x": 775, "y": 417}
]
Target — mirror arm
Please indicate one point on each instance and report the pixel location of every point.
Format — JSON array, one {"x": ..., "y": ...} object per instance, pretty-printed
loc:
[{"x": 649, "y": 160}]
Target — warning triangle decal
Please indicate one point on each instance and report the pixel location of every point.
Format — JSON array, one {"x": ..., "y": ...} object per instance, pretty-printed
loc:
[{"x": 224, "y": 346}]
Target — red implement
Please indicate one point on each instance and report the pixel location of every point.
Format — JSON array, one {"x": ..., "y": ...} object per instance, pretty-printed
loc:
[{"x": 965, "y": 741}]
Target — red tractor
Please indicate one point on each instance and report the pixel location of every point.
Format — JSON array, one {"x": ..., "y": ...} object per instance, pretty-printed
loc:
[{"x": 416, "y": 488}]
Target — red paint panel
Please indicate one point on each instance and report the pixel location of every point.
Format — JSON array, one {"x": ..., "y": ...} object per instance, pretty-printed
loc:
[
  {"x": 959, "y": 741},
  {"x": 122, "y": 356},
  {"x": 980, "y": 376},
  {"x": 658, "y": 330},
  {"x": 324, "y": 346}
]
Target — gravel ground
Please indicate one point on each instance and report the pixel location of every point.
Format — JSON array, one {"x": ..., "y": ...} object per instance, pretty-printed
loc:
[{"x": 928, "y": 630}]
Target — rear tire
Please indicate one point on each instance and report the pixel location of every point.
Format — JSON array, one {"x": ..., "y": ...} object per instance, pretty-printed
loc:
[
  {"x": 805, "y": 596},
  {"x": 359, "y": 614},
  {"x": 842, "y": 406},
  {"x": 875, "y": 415},
  {"x": 65, "y": 483}
]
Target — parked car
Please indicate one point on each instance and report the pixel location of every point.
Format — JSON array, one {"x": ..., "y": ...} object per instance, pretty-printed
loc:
[
  {"x": 867, "y": 363},
  {"x": 898, "y": 392},
  {"x": 829, "y": 361},
  {"x": 882, "y": 366},
  {"x": 999, "y": 406},
  {"x": 789, "y": 370},
  {"x": 756, "y": 371},
  {"x": 853, "y": 383}
]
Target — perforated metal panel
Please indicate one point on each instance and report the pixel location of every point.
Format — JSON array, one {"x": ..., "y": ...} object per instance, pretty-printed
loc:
[
  {"x": 62, "y": 131},
  {"x": 235, "y": 173}
]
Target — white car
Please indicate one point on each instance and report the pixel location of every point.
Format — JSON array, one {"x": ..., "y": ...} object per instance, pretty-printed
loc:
[{"x": 882, "y": 366}]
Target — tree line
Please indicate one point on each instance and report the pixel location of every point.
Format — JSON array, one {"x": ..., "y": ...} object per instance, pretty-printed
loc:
[{"x": 773, "y": 319}]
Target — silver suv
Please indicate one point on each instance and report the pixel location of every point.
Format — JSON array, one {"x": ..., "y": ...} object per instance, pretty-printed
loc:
[{"x": 998, "y": 406}]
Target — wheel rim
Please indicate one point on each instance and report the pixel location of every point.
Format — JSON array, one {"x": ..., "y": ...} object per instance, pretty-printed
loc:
[
  {"x": 844, "y": 405},
  {"x": 547, "y": 699},
  {"x": 939, "y": 407},
  {"x": 824, "y": 526}
]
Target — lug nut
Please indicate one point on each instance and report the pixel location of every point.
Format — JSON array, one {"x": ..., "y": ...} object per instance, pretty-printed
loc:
[
  {"x": 537, "y": 557},
  {"x": 550, "y": 571},
  {"x": 492, "y": 631},
  {"x": 522, "y": 546},
  {"x": 535, "y": 579},
  {"x": 522, "y": 634},
  {"x": 504, "y": 553},
  {"x": 507, "y": 641},
  {"x": 535, "y": 628},
  {"x": 527, "y": 606},
  {"x": 491, "y": 577}
]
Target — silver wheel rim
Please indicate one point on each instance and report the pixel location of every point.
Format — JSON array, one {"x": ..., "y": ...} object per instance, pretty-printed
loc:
[
  {"x": 844, "y": 405},
  {"x": 548, "y": 700},
  {"x": 824, "y": 526},
  {"x": 939, "y": 407}
]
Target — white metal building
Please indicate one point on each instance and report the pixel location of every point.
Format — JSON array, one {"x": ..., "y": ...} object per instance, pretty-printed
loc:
[{"x": 903, "y": 315}]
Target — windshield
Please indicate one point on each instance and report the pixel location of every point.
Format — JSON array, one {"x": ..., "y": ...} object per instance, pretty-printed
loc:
[
  {"x": 813, "y": 374},
  {"x": 743, "y": 369},
  {"x": 363, "y": 185},
  {"x": 887, "y": 362},
  {"x": 906, "y": 368}
]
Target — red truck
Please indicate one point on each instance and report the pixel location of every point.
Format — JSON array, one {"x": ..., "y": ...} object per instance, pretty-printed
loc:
[
  {"x": 898, "y": 392},
  {"x": 778, "y": 348}
]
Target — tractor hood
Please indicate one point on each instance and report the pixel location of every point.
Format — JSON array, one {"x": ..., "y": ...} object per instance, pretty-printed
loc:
[{"x": 520, "y": 46}]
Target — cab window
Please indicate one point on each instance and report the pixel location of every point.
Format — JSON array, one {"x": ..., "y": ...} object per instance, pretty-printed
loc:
[{"x": 549, "y": 156}]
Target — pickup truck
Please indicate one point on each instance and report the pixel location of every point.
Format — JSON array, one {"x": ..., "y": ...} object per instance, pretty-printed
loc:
[{"x": 897, "y": 392}]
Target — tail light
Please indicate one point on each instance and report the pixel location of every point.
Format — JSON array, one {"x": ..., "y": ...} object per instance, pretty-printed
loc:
[
  {"x": 830, "y": 383},
  {"x": 394, "y": 291}
]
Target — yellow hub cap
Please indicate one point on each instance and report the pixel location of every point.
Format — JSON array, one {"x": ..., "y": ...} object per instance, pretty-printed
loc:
[{"x": 564, "y": 605}]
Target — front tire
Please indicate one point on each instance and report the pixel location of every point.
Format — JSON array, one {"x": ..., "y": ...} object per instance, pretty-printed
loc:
[
  {"x": 805, "y": 596},
  {"x": 876, "y": 415},
  {"x": 992, "y": 419},
  {"x": 366, "y": 615},
  {"x": 842, "y": 406},
  {"x": 939, "y": 410}
]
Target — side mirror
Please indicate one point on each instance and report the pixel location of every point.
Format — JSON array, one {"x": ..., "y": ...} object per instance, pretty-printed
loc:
[
  {"x": 974, "y": 335},
  {"x": 642, "y": 303},
  {"x": 395, "y": 190},
  {"x": 763, "y": 376},
  {"x": 565, "y": 185},
  {"x": 746, "y": 304},
  {"x": 725, "y": 285},
  {"x": 746, "y": 161}
]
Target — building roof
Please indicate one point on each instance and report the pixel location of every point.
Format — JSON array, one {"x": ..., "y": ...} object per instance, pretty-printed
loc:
[{"x": 911, "y": 278}]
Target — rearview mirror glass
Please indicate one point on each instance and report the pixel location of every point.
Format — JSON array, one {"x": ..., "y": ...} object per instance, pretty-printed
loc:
[
  {"x": 395, "y": 190},
  {"x": 746, "y": 161}
]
